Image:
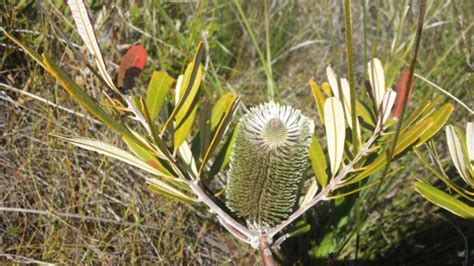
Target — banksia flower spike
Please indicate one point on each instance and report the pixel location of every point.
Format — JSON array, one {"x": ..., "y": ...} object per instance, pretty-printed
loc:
[{"x": 269, "y": 157}]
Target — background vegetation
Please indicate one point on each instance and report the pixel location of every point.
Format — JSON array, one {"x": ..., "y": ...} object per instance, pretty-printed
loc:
[{"x": 63, "y": 204}]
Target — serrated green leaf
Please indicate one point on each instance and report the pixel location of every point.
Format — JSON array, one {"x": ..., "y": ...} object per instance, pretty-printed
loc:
[
  {"x": 318, "y": 161},
  {"x": 445, "y": 200},
  {"x": 440, "y": 117},
  {"x": 157, "y": 91},
  {"x": 319, "y": 99}
]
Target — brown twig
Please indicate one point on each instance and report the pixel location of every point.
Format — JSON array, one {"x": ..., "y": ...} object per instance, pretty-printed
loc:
[{"x": 265, "y": 251}]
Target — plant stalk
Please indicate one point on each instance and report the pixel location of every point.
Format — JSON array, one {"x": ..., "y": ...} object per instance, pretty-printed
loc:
[
  {"x": 391, "y": 151},
  {"x": 266, "y": 252},
  {"x": 350, "y": 74}
]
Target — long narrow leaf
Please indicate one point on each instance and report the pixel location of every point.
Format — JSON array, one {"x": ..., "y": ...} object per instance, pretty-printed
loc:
[
  {"x": 319, "y": 99},
  {"x": 187, "y": 87},
  {"x": 377, "y": 81},
  {"x": 164, "y": 189},
  {"x": 470, "y": 141},
  {"x": 332, "y": 79},
  {"x": 111, "y": 151},
  {"x": 222, "y": 128},
  {"x": 455, "y": 150},
  {"x": 405, "y": 140},
  {"x": 83, "y": 98},
  {"x": 220, "y": 108},
  {"x": 318, "y": 161},
  {"x": 440, "y": 117},
  {"x": 157, "y": 91},
  {"x": 346, "y": 100},
  {"x": 387, "y": 104},
  {"x": 412, "y": 135},
  {"x": 445, "y": 200},
  {"x": 335, "y": 131},
  {"x": 33, "y": 54},
  {"x": 86, "y": 31}
]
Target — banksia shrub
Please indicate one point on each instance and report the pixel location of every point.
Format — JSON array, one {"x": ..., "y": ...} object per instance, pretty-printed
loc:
[
  {"x": 267, "y": 163},
  {"x": 271, "y": 147}
]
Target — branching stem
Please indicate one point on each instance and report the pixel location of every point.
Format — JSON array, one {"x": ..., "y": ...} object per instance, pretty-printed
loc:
[{"x": 328, "y": 189}]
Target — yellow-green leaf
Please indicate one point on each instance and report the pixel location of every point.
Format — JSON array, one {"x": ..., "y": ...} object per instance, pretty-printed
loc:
[
  {"x": 110, "y": 151},
  {"x": 440, "y": 117},
  {"x": 219, "y": 109},
  {"x": 445, "y": 200},
  {"x": 188, "y": 90},
  {"x": 363, "y": 112},
  {"x": 327, "y": 89},
  {"x": 405, "y": 140},
  {"x": 410, "y": 136},
  {"x": 222, "y": 128},
  {"x": 148, "y": 157},
  {"x": 318, "y": 161},
  {"x": 319, "y": 99},
  {"x": 184, "y": 128},
  {"x": 157, "y": 91},
  {"x": 164, "y": 189},
  {"x": 83, "y": 98}
]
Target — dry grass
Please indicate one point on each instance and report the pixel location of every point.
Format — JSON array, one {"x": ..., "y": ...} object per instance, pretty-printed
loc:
[{"x": 65, "y": 205}]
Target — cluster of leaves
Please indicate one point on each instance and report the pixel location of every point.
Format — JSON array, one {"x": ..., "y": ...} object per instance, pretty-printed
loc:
[
  {"x": 373, "y": 117},
  {"x": 163, "y": 149},
  {"x": 461, "y": 150}
]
